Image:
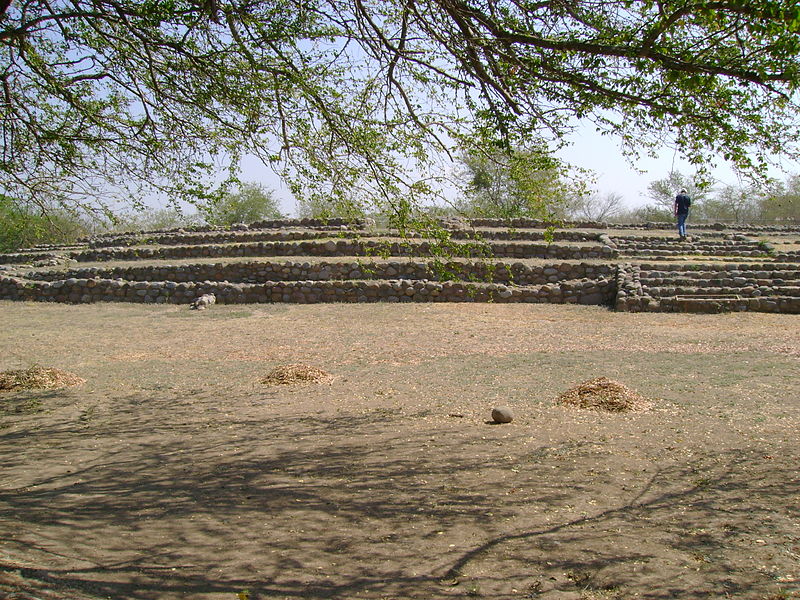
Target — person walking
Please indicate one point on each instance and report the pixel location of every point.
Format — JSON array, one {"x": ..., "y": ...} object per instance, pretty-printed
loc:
[{"x": 682, "y": 204}]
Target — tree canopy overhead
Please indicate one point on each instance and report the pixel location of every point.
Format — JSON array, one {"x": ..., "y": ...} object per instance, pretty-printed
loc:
[{"x": 356, "y": 98}]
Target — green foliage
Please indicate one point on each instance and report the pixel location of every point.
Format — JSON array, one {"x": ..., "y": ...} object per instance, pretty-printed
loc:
[
  {"x": 251, "y": 203},
  {"x": 732, "y": 204},
  {"x": 23, "y": 226},
  {"x": 782, "y": 203},
  {"x": 354, "y": 103},
  {"x": 443, "y": 248},
  {"x": 318, "y": 207},
  {"x": 521, "y": 183},
  {"x": 151, "y": 219},
  {"x": 766, "y": 247},
  {"x": 663, "y": 191},
  {"x": 648, "y": 213}
]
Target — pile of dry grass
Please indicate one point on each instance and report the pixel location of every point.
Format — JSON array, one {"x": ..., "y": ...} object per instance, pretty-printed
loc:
[
  {"x": 295, "y": 374},
  {"x": 37, "y": 378},
  {"x": 604, "y": 394}
]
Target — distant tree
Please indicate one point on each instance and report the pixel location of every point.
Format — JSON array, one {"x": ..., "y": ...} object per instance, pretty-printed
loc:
[
  {"x": 740, "y": 203},
  {"x": 152, "y": 219},
  {"x": 732, "y": 204},
  {"x": 782, "y": 204},
  {"x": 647, "y": 213},
  {"x": 251, "y": 203},
  {"x": 663, "y": 191},
  {"x": 522, "y": 183},
  {"x": 328, "y": 207},
  {"x": 598, "y": 207},
  {"x": 23, "y": 225}
]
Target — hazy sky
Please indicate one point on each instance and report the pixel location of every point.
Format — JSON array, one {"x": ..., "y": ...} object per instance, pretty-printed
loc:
[{"x": 615, "y": 173}]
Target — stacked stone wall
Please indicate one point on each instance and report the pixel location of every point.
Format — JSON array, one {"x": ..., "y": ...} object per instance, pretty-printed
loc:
[
  {"x": 776, "y": 304},
  {"x": 257, "y": 272},
  {"x": 527, "y": 235},
  {"x": 597, "y": 291},
  {"x": 629, "y": 297},
  {"x": 227, "y": 237},
  {"x": 345, "y": 248},
  {"x": 768, "y": 287},
  {"x": 665, "y": 248},
  {"x": 20, "y": 258},
  {"x": 212, "y": 237},
  {"x": 788, "y": 257},
  {"x": 334, "y": 223}
]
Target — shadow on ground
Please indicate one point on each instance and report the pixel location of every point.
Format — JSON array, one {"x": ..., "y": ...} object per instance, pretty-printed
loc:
[{"x": 160, "y": 499}]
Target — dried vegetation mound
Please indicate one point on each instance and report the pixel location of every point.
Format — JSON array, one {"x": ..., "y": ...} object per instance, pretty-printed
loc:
[
  {"x": 295, "y": 374},
  {"x": 37, "y": 378},
  {"x": 604, "y": 394}
]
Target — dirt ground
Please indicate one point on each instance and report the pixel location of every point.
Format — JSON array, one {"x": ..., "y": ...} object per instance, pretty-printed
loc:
[{"x": 173, "y": 473}]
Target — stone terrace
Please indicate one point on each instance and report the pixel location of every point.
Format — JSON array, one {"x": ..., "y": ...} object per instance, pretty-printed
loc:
[{"x": 629, "y": 268}]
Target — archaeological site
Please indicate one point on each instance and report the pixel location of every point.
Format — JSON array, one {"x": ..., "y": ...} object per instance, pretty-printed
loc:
[{"x": 641, "y": 267}]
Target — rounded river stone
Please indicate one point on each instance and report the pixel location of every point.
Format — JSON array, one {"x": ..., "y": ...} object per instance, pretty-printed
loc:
[{"x": 502, "y": 414}]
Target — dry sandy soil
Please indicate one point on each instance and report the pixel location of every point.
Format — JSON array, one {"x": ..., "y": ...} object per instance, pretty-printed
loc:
[{"x": 173, "y": 473}]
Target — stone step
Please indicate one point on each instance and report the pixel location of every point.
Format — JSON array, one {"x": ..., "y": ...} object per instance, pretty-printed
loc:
[
  {"x": 710, "y": 304},
  {"x": 272, "y": 235},
  {"x": 764, "y": 265},
  {"x": 24, "y": 257},
  {"x": 114, "y": 290},
  {"x": 409, "y": 248},
  {"x": 763, "y": 271},
  {"x": 525, "y": 235},
  {"x": 718, "y": 281},
  {"x": 689, "y": 252},
  {"x": 697, "y": 245},
  {"x": 260, "y": 271},
  {"x": 279, "y": 224},
  {"x": 746, "y": 291},
  {"x": 211, "y": 237}
]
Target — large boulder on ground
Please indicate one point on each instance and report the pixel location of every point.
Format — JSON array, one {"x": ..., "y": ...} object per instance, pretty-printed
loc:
[{"x": 502, "y": 414}]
